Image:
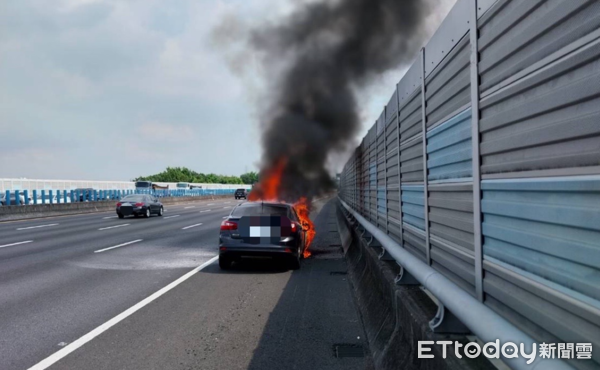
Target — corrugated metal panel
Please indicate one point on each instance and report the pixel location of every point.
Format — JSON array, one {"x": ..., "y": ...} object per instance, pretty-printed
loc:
[
  {"x": 449, "y": 148},
  {"x": 451, "y": 230},
  {"x": 414, "y": 240},
  {"x": 531, "y": 306},
  {"x": 521, "y": 33},
  {"x": 413, "y": 210},
  {"x": 411, "y": 117},
  {"x": 547, "y": 227},
  {"x": 365, "y": 179},
  {"x": 546, "y": 121},
  {"x": 373, "y": 174},
  {"x": 443, "y": 41},
  {"x": 448, "y": 87},
  {"x": 411, "y": 158},
  {"x": 381, "y": 173},
  {"x": 391, "y": 110},
  {"x": 380, "y": 123}
]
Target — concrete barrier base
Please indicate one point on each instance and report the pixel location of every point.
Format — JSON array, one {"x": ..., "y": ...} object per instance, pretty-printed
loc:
[
  {"x": 15, "y": 213},
  {"x": 395, "y": 317}
]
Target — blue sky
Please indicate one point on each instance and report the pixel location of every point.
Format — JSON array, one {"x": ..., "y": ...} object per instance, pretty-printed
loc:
[{"x": 112, "y": 89}]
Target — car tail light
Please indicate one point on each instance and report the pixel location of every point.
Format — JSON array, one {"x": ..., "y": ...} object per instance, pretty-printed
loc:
[
  {"x": 228, "y": 225},
  {"x": 296, "y": 227},
  {"x": 119, "y": 204},
  {"x": 139, "y": 204},
  {"x": 288, "y": 250}
]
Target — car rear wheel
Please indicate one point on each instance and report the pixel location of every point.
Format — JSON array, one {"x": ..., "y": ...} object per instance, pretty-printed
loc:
[
  {"x": 295, "y": 262},
  {"x": 120, "y": 215},
  {"x": 225, "y": 262},
  {"x": 161, "y": 211},
  {"x": 147, "y": 214}
]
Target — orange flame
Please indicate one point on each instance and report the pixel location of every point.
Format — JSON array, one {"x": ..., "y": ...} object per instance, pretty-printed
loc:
[
  {"x": 303, "y": 212},
  {"x": 268, "y": 190}
]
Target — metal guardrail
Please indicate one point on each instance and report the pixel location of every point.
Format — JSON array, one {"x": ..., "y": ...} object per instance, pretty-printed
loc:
[{"x": 22, "y": 198}]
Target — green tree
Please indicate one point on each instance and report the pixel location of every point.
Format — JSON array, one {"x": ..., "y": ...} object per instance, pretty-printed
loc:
[
  {"x": 183, "y": 174},
  {"x": 249, "y": 178}
]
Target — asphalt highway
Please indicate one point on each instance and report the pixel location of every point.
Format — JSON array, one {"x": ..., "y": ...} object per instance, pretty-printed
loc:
[{"x": 96, "y": 292}]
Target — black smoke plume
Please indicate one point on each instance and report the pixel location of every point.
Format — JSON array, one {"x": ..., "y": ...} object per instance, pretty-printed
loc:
[{"x": 330, "y": 49}]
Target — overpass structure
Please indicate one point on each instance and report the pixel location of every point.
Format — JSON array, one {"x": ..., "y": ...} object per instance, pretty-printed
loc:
[{"x": 481, "y": 176}]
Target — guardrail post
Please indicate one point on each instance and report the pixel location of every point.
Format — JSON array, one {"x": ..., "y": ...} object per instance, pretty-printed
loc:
[
  {"x": 26, "y": 197},
  {"x": 478, "y": 253},
  {"x": 50, "y": 197},
  {"x": 17, "y": 198},
  {"x": 43, "y": 196},
  {"x": 65, "y": 196},
  {"x": 72, "y": 196},
  {"x": 34, "y": 196},
  {"x": 7, "y": 198}
]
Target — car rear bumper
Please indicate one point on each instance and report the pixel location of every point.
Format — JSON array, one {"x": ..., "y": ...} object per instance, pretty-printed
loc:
[{"x": 258, "y": 251}]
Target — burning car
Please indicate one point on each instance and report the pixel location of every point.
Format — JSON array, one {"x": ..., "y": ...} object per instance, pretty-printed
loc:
[{"x": 266, "y": 229}]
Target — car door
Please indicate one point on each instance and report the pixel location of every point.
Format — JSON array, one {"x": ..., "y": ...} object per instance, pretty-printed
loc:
[{"x": 150, "y": 202}]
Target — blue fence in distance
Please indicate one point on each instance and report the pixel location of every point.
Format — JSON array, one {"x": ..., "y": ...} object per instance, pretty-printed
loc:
[{"x": 26, "y": 197}]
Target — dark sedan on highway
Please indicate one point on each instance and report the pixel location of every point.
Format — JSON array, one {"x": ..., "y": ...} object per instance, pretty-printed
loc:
[
  {"x": 139, "y": 205},
  {"x": 262, "y": 229}
]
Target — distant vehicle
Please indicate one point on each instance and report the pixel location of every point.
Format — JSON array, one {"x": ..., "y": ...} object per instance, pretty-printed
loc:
[
  {"x": 241, "y": 193},
  {"x": 55, "y": 199},
  {"x": 85, "y": 194},
  {"x": 13, "y": 199},
  {"x": 183, "y": 185},
  {"x": 143, "y": 185},
  {"x": 139, "y": 205},
  {"x": 158, "y": 187},
  {"x": 261, "y": 229}
]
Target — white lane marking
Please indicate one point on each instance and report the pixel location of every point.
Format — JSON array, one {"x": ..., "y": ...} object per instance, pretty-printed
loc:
[
  {"x": 35, "y": 227},
  {"x": 226, "y": 207},
  {"x": 189, "y": 207},
  {"x": 172, "y": 216},
  {"x": 113, "y": 227},
  {"x": 19, "y": 243},
  {"x": 106, "y": 218},
  {"x": 206, "y": 210},
  {"x": 117, "y": 246},
  {"x": 189, "y": 227},
  {"x": 63, "y": 352},
  {"x": 210, "y": 204}
]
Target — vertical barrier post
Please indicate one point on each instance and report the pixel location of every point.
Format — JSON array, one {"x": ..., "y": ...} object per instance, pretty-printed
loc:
[
  {"x": 65, "y": 196},
  {"x": 26, "y": 197},
  {"x": 34, "y": 196},
  {"x": 50, "y": 195},
  {"x": 44, "y": 196},
  {"x": 71, "y": 194},
  {"x": 17, "y": 198},
  {"x": 425, "y": 179},
  {"x": 7, "y": 198},
  {"x": 475, "y": 138},
  {"x": 385, "y": 189},
  {"x": 399, "y": 166}
]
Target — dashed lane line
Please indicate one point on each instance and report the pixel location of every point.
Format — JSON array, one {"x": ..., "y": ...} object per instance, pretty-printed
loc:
[
  {"x": 117, "y": 246},
  {"x": 112, "y": 227}
]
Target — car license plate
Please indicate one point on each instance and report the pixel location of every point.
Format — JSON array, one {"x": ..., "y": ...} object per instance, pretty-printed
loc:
[
  {"x": 126, "y": 205},
  {"x": 260, "y": 232}
]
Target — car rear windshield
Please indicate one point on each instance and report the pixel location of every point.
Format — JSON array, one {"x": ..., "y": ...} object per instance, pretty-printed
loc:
[
  {"x": 261, "y": 210},
  {"x": 133, "y": 198}
]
